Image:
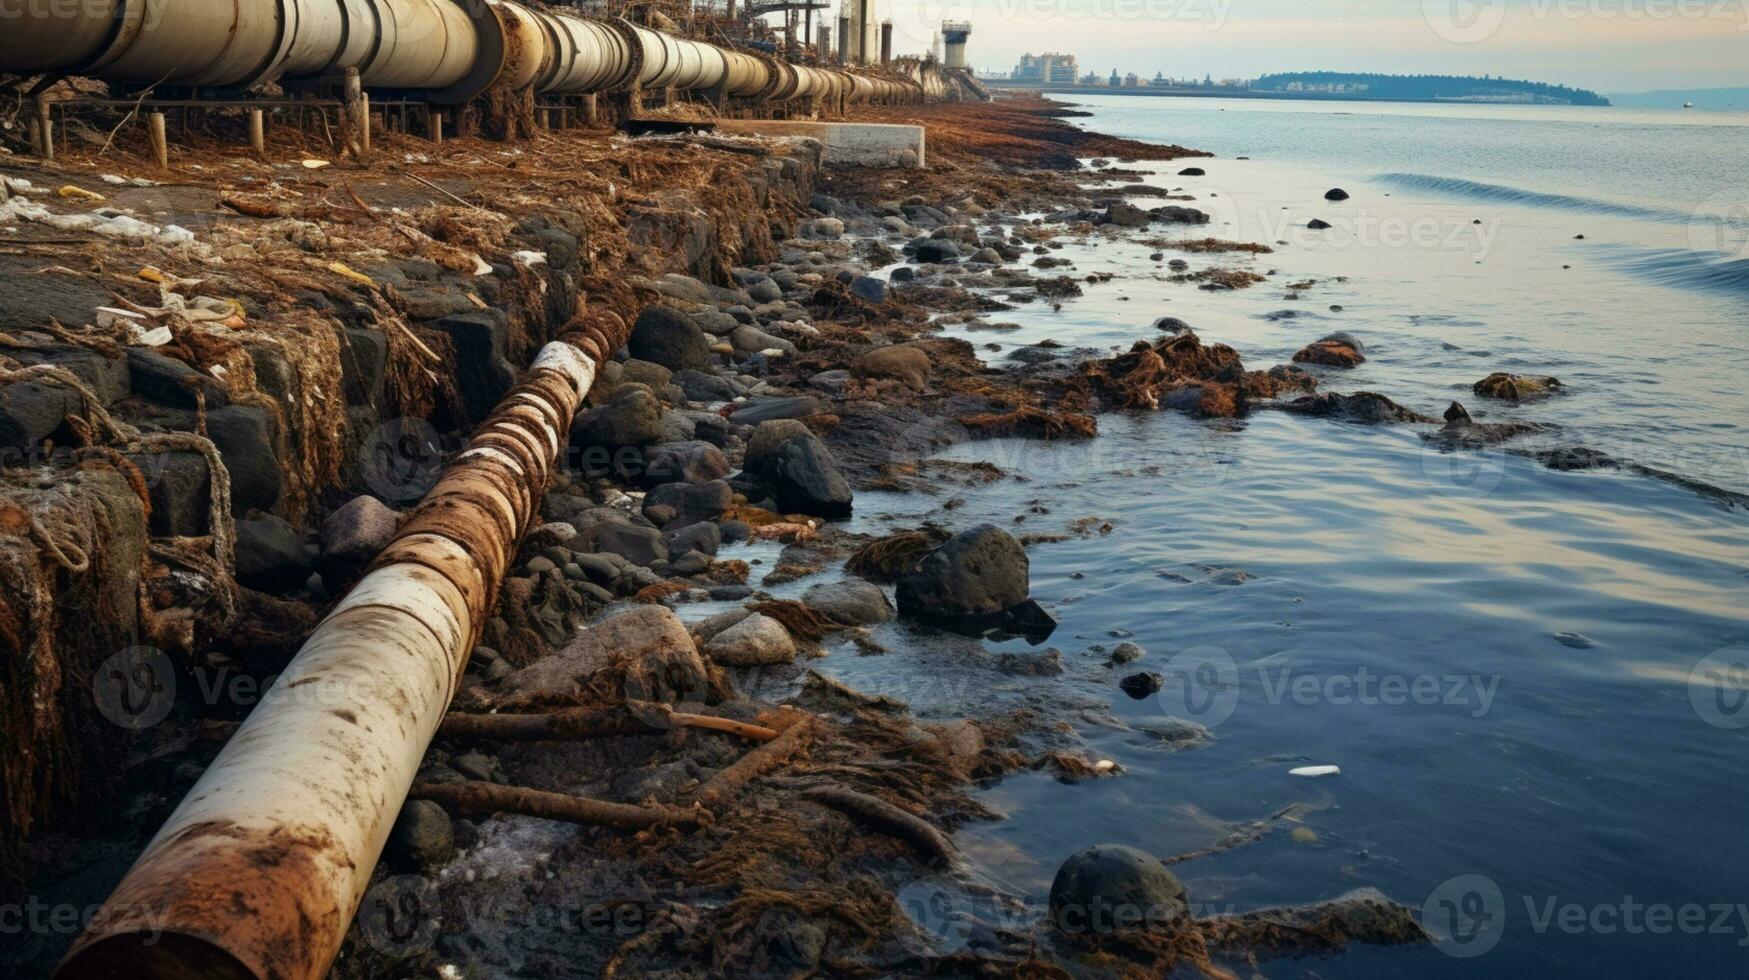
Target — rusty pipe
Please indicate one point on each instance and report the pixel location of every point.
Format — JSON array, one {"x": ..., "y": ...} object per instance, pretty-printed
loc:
[{"x": 260, "y": 869}]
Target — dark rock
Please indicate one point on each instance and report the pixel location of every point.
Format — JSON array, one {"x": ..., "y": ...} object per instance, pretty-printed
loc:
[
  {"x": 1142, "y": 685},
  {"x": 1516, "y": 387},
  {"x": 1173, "y": 214},
  {"x": 805, "y": 479},
  {"x": 1125, "y": 216},
  {"x": 422, "y": 839},
  {"x": 702, "y": 387},
  {"x": 869, "y": 288},
  {"x": 180, "y": 488},
  {"x": 107, "y": 377},
  {"x": 1193, "y": 172},
  {"x": 170, "y": 382},
  {"x": 1172, "y": 325},
  {"x": 1317, "y": 224},
  {"x": 671, "y": 339},
  {"x": 31, "y": 411},
  {"x": 1337, "y": 350},
  {"x": 270, "y": 555},
  {"x": 635, "y": 543},
  {"x": 757, "y": 410},
  {"x": 704, "y": 537},
  {"x": 632, "y": 417},
  {"x": 482, "y": 374},
  {"x": 765, "y": 291},
  {"x": 1362, "y": 406},
  {"x": 693, "y": 461},
  {"x": 936, "y": 250},
  {"x": 1335, "y": 194},
  {"x": 364, "y": 358},
  {"x": 244, "y": 436},
  {"x": 1110, "y": 887},
  {"x": 982, "y": 571},
  {"x": 690, "y": 502}
]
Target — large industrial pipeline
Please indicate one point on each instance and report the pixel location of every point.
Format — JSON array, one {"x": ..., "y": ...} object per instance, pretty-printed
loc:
[
  {"x": 441, "y": 51},
  {"x": 260, "y": 869}
]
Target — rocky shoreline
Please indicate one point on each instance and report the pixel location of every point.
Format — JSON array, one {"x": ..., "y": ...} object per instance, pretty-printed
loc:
[{"x": 277, "y": 364}]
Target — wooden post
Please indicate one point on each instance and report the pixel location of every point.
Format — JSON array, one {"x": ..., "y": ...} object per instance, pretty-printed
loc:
[
  {"x": 364, "y": 122},
  {"x": 160, "y": 142},
  {"x": 45, "y": 127},
  {"x": 591, "y": 111},
  {"x": 353, "y": 117},
  {"x": 258, "y": 132},
  {"x": 435, "y": 118}
]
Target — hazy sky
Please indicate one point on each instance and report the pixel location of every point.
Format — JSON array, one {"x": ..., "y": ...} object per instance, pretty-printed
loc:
[{"x": 1606, "y": 45}]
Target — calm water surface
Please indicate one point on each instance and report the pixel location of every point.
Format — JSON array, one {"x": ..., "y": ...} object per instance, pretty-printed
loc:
[{"x": 1525, "y": 675}]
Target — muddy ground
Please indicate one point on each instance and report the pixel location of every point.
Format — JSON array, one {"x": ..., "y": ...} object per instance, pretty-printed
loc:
[{"x": 329, "y": 333}]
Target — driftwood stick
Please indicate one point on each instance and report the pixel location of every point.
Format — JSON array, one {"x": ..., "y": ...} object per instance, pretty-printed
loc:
[
  {"x": 888, "y": 819},
  {"x": 571, "y": 723},
  {"x": 492, "y": 798},
  {"x": 762, "y": 759}
]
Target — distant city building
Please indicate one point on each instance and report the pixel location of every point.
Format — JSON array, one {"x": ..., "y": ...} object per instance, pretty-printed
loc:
[
  {"x": 1132, "y": 80},
  {"x": 1049, "y": 68},
  {"x": 1159, "y": 80},
  {"x": 1116, "y": 79},
  {"x": 1092, "y": 79}
]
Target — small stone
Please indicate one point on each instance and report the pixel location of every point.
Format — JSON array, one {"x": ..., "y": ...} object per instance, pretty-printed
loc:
[
  {"x": 1125, "y": 653},
  {"x": 1139, "y": 686},
  {"x": 423, "y": 838},
  {"x": 1110, "y": 887},
  {"x": 755, "y": 641}
]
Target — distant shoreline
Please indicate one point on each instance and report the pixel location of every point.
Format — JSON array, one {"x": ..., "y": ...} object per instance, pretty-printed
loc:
[{"x": 1217, "y": 93}]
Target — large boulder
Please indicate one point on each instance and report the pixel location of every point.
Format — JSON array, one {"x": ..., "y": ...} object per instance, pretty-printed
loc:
[
  {"x": 977, "y": 571},
  {"x": 691, "y": 461},
  {"x": 670, "y": 338},
  {"x": 635, "y": 543},
  {"x": 804, "y": 478},
  {"x": 691, "y": 502},
  {"x": 1110, "y": 887},
  {"x": 1337, "y": 350},
  {"x": 757, "y": 410},
  {"x": 756, "y": 641},
  {"x": 647, "y": 647}
]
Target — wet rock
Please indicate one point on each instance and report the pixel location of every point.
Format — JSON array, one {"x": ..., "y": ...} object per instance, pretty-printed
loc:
[
  {"x": 1193, "y": 172},
  {"x": 1048, "y": 663},
  {"x": 1335, "y": 194},
  {"x": 936, "y": 250},
  {"x": 869, "y": 288},
  {"x": 1125, "y": 216},
  {"x": 1578, "y": 641},
  {"x": 353, "y": 535},
  {"x": 1362, "y": 406},
  {"x": 1178, "y": 265},
  {"x": 270, "y": 555},
  {"x": 979, "y": 573},
  {"x": 690, "y": 502},
  {"x": 825, "y": 229},
  {"x": 1141, "y": 685},
  {"x": 765, "y": 291},
  {"x": 1172, "y": 324},
  {"x": 670, "y": 338},
  {"x": 703, "y": 537},
  {"x": 635, "y": 543},
  {"x": 805, "y": 479},
  {"x": 180, "y": 489},
  {"x": 907, "y": 364},
  {"x": 832, "y": 382},
  {"x": 1516, "y": 387},
  {"x": 1175, "y": 215},
  {"x": 854, "y": 602},
  {"x": 755, "y": 641},
  {"x": 632, "y": 417},
  {"x": 1337, "y": 350},
  {"x": 715, "y": 322},
  {"x": 988, "y": 256},
  {"x": 1111, "y": 887},
  {"x": 422, "y": 839},
  {"x": 482, "y": 374},
  {"x": 1125, "y": 653},
  {"x": 647, "y": 373},
  {"x": 757, "y": 410}
]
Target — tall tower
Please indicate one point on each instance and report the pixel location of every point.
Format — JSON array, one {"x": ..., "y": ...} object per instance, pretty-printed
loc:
[
  {"x": 886, "y": 42},
  {"x": 954, "y": 34}
]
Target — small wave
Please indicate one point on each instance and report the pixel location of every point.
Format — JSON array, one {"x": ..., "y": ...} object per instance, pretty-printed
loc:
[
  {"x": 1680, "y": 267},
  {"x": 1500, "y": 193}
]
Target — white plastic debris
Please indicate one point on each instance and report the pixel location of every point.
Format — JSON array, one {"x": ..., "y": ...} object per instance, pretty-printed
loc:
[
  {"x": 1315, "y": 771},
  {"x": 530, "y": 258},
  {"x": 1104, "y": 765}
]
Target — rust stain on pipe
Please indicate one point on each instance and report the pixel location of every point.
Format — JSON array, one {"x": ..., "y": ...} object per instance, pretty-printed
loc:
[{"x": 259, "y": 871}]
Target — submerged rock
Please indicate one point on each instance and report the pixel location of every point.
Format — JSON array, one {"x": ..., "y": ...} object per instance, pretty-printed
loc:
[
  {"x": 1337, "y": 350},
  {"x": 1516, "y": 387},
  {"x": 1362, "y": 406},
  {"x": 1335, "y": 194},
  {"x": 1110, "y": 887},
  {"x": 975, "y": 582},
  {"x": 853, "y": 602}
]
